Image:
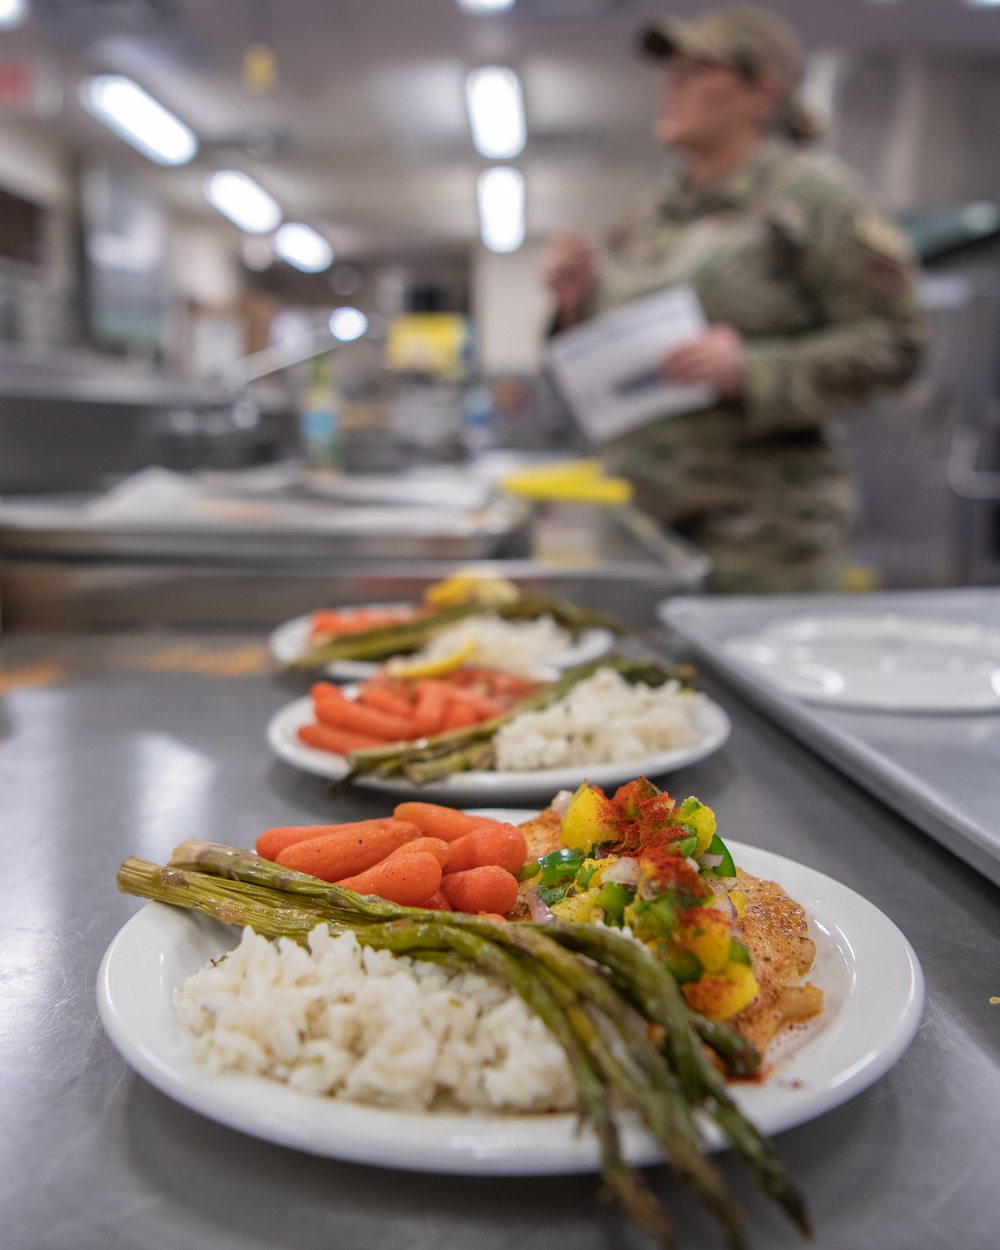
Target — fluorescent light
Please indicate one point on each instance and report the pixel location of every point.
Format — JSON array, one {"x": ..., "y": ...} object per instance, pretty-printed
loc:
[
  {"x": 136, "y": 117},
  {"x": 303, "y": 247},
  {"x": 239, "y": 198},
  {"x": 484, "y": 6},
  {"x": 348, "y": 324},
  {"x": 500, "y": 193},
  {"x": 496, "y": 112},
  {"x": 13, "y": 13},
  {"x": 983, "y": 4}
]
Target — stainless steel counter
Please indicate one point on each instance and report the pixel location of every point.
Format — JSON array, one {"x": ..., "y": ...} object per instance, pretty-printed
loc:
[{"x": 126, "y": 744}]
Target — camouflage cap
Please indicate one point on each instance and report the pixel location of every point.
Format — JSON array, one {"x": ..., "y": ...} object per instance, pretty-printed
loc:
[{"x": 750, "y": 40}]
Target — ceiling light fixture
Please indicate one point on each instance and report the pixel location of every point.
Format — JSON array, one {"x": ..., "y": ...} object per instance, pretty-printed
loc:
[
  {"x": 303, "y": 247},
  {"x": 484, "y": 6},
  {"x": 983, "y": 4},
  {"x": 136, "y": 117},
  {"x": 496, "y": 112},
  {"x": 13, "y": 13},
  {"x": 348, "y": 324},
  {"x": 239, "y": 198},
  {"x": 500, "y": 193}
]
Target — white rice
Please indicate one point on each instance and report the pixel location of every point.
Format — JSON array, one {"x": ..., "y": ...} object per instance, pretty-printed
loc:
[
  {"x": 339, "y": 1019},
  {"x": 603, "y": 719},
  {"x": 518, "y": 647}
]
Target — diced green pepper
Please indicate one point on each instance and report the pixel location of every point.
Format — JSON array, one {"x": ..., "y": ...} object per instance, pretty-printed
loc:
[
  {"x": 584, "y": 875},
  {"x": 686, "y": 846},
  {"x": 528, "y": 871},
  {"x": 561, "y": 865},
  {"x": 654, "y": 918},
  {"x": 739, "y": 954},
  {"x": 550, "y": 894},
  {"x": 683, "y": 965},
  {"x": 727, "y": 868},
  {"x": 613, "y": 898}
]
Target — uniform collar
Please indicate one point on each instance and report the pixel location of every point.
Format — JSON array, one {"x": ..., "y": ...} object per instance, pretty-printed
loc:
[{"x": 683, "y": 199}]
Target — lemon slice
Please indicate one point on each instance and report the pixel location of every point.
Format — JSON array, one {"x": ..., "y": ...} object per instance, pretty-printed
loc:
[
  {"x": 471, "y": 586},
  {"x": 438, "y": 666}
]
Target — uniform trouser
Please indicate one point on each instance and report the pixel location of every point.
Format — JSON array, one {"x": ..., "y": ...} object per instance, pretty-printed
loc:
[{"x": 794, "y": 541}]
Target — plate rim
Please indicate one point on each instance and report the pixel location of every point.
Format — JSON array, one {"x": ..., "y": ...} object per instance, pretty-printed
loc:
[
  {"x": 477, "y": 1144},
  {"x": 472, "y": 785}
]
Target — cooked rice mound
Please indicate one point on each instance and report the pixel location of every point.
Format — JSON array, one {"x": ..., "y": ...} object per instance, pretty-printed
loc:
[
  {"x": 601, "y": 720},
  {"x": 370, "y": 1026}
]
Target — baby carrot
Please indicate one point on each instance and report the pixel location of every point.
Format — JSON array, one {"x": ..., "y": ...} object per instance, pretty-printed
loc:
[
  {"x": 383, "y": 700},
  {"x": 489, "y": 888},
  {"x": 339, "y": 741},
  {"x": 272, "y": 842},
  {"x": 495, "y": 844},
  {"x": 433, "y": 846},
  {"x": 459, "y": 716},
  {"x": 429, "y": 711},
  {"x": 364, "y": 720},
  {"x": 483, "y": 707},
  {"x": 409, "y": 880},
  {"x": 441, "y": 822},
  {"x": 333, "y": 856},
  {"x": 325, "y": 690},
  {"x": 438, "y": 902}
]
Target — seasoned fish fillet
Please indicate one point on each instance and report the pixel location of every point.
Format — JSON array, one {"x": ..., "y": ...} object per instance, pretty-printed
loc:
[{"x": 775, "y": 930}]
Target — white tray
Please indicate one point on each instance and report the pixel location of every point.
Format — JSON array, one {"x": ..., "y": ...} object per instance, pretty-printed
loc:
[{"x": 941, "y": 771}]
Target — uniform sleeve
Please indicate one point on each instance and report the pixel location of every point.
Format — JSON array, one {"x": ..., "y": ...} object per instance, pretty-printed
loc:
[{"x": 857, "y": 270}]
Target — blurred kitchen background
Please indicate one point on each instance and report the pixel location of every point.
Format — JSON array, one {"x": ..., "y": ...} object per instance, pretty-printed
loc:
[{"x": 200, "y": 198}]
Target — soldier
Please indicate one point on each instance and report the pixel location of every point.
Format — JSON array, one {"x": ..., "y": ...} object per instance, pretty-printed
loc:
[{"x": 809, "y": 292}]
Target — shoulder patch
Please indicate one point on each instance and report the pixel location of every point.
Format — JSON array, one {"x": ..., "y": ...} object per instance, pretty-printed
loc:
[{"x": 881, "y": 236}]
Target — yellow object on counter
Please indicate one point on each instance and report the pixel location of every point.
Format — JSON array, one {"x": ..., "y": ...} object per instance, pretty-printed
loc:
[{"x": 579, "y": 481}]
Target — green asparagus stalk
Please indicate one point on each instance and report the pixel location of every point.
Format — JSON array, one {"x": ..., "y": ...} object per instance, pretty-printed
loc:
[{"x": 404, "y": 637}]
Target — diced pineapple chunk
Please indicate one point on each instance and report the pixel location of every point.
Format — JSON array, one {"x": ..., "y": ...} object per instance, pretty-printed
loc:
[
  {"x": 576, "y": 907},
  {"x": 721, "y": 995},
  {"x": 739, "y": 901},
  {"x": 588, "y": 819},
  {"x": 706, "y": 932},
  {"x": 701, "y": 819}
]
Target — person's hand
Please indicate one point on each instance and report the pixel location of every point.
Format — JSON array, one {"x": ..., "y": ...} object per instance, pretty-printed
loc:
[
  {"x": 717, "y": 358},
  {"x": 568, "y": 269}
]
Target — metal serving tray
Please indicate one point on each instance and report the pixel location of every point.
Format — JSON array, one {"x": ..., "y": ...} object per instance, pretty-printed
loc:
[
  {"x": 233, "y": 529},
  {"x": 941, "y": 771}
]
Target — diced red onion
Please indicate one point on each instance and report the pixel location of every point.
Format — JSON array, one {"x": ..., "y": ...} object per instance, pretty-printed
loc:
[
  {"x": 541, "y": 913},
  {"x": 711, "y": 861}
]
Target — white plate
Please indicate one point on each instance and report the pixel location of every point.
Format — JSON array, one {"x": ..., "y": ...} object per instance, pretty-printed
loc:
[
  {"x": 869, "y": 974},
  {"x": 290, "y": 641},
  {"x": 888, "y": 662},
  {"x": 472, "y": 787}
]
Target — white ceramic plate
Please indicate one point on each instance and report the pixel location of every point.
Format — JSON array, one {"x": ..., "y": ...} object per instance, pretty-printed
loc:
[
  {"x": 889, "y": 662},
  {"x": 472, "y": 787},
  {"x": 290, "y": 641},
  {"x": 869, "y": 974}
]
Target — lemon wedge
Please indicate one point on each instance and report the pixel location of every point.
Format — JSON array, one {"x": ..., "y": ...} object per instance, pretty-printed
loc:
[
  {"x": 470, "y": 585},
  {"x": 438, "y": 666}
]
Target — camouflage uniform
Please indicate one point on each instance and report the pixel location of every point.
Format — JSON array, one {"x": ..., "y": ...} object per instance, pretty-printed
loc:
[{"x": 821, "y": 288}]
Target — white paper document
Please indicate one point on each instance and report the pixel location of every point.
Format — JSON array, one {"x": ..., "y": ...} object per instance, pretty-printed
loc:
[{"x": 608, "y": 368}]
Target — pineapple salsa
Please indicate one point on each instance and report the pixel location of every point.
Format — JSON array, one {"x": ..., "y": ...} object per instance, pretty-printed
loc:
[{"x": 645, "y": 861}]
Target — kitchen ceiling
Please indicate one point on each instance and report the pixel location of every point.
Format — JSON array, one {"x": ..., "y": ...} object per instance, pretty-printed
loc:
[{"x": 365, "y": 135}]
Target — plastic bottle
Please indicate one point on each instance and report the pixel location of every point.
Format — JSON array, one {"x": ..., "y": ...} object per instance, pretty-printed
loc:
[
  {"x": 319, "y": 418},
  {"x": 477, "y": 419}
]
